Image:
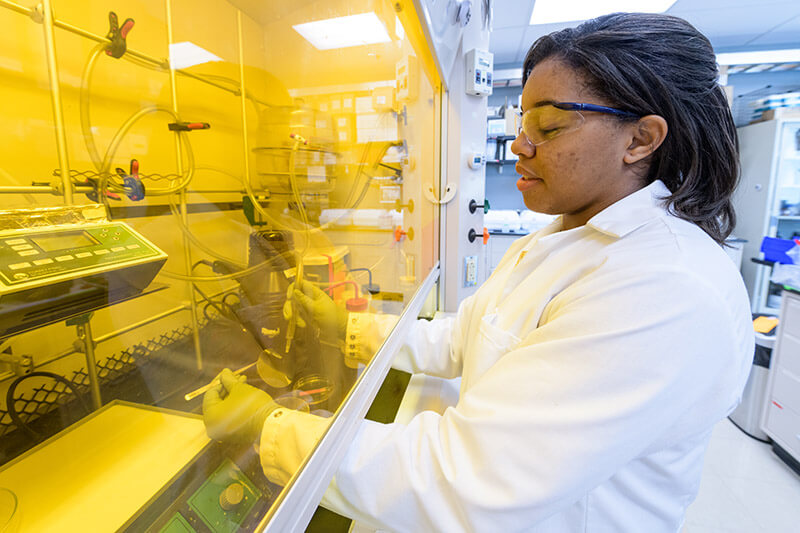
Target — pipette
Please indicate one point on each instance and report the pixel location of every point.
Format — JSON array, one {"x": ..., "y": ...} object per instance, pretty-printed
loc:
[{"x": 195, "y": 393}]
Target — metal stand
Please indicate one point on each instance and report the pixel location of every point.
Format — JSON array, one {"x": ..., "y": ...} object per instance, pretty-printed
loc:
[{"x": 84, "y": 331}]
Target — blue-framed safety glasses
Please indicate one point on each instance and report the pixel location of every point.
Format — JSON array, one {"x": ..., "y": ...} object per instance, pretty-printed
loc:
[{"x": 544, "y": 123}]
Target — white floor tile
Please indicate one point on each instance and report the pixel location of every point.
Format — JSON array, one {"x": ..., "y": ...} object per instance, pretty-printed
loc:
[
  {"x": 746, "y": 458},
  {"x": 745, "y": 488},
  {"x": 717, "y": 507},
  {"x": 776, "y": 508}
]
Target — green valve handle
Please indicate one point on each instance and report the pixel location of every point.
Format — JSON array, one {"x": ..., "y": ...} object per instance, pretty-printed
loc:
[{"x": 473, "y": 206}]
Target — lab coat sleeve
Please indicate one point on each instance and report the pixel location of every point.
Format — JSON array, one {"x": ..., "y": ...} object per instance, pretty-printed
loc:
[
  {"x": 606, "y": 379},
  {"x": 431, "y": 347},
  {"x": 287, "y": 437}
]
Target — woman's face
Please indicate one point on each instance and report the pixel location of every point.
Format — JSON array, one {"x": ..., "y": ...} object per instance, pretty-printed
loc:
[{"x": 579, "y": 173}]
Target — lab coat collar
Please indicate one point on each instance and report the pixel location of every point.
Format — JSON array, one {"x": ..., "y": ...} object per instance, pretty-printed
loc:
[{"x": 631, "y": 212}]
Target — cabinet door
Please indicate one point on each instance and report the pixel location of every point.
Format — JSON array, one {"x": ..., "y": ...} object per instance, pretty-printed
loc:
[{"x": 782, "y": 413}]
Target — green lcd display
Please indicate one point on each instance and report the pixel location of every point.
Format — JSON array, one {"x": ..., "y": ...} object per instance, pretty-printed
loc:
[{"x": 64, "y": 241}]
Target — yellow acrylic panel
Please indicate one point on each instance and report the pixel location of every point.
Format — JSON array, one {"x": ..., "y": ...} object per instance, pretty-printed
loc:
[{"x": 254, "y": 159}]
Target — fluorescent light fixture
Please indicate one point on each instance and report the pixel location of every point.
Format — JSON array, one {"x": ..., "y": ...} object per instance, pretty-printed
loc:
[
  {"x": 552, "y": 11},
  {"x": 508, "y": 74},
  {"x": 343, "y": 32},
  {"x": 186, "y": 54},
  {"x": 764, "y": 56}
]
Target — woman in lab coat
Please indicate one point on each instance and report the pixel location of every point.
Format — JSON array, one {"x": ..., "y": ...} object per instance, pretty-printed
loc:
[{"x": 602, "y": 350}]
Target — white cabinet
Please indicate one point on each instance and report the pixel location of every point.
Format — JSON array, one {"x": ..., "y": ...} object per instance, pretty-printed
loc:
[
  {"x": 767, "y": 201},
  {"x": 781, "y": 419}
]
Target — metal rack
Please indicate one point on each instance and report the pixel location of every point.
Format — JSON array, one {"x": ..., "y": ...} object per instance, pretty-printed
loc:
[{"x": 42, "y": 13}]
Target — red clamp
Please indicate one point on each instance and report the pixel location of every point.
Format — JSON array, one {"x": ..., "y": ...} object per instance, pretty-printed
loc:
[
  {"x": 134, "y": 188},
  {"x": 188, "y": 126},
  {"x": 117, "y": 35}
]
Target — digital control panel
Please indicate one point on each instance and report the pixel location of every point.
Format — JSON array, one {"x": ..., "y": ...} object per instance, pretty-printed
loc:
[{"x": 53, "y": 254}]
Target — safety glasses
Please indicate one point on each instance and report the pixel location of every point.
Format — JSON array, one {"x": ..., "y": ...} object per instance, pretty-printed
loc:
[{"x": 546, "y": 122}]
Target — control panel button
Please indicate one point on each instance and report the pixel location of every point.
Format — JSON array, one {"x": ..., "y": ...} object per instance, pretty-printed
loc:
[
  {"x": 100, "y": 252},
  {"x": 117, "y": 248},
  {"x": 17, "y": 266},
  {"x": 83, "y": 254},
  {"x": 22, "y": 247},
  {"x": 28, "y": 252},
  {"x": 42, "y": 261},
  {"x": 62, "y": 258},
  {"x": 16, "y": 241},
  {"x": 132, "y": 246}
]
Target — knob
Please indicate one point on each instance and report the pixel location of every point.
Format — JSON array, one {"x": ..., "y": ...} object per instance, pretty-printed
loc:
[
  {"x": 472, "y": 235},
  {"x": 231, "y": 496},
  {"x": 473, "y": 206},
  {"x": 398, "y": 233},
  {"x": 410, "y": 205}
]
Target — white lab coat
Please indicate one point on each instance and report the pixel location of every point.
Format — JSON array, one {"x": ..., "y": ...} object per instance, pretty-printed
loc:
[{"x": 593, "y": 368}]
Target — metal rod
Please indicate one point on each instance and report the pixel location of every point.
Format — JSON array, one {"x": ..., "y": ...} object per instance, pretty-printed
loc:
[
  {"x": 46, "y": 189},
  {"x": 136, "y": 325},
  {"x": 243, "y": 101},
  {"x": 55, "y": 100},
  {"x": 16, "y": 7},
  {"x": 187, "y": 248},
  {"x": 85, "y": 334},
  {"x": 162, "y": 63},
  {"x": 27, "y": 190},
  {"x": 108, "y": 336}
]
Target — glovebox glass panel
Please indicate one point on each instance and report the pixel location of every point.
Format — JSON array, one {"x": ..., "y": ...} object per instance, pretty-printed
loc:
[{"x": 169, "y": 169}]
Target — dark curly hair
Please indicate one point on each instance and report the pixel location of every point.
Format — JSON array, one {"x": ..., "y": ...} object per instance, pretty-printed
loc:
[{"x": 661, "y": 65}]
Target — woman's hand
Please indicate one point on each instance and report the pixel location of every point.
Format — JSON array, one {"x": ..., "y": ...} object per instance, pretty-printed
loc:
[
  {"x": 234, "y": 411},
  {"x": 330, "y": 318}
]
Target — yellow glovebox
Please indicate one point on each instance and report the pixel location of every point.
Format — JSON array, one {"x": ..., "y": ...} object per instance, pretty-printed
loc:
[{"x": 168, "y": 170}]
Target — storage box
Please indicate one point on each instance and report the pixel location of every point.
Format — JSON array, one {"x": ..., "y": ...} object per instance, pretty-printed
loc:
[{"x": 775, "y": 250}]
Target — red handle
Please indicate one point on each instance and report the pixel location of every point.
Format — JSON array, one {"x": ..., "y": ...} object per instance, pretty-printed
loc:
[
  {"x": 485, "y": 235},
  {"x": 127, "y": 26}
]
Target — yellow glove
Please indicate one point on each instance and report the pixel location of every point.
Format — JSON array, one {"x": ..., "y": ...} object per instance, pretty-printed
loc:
[
  {"x": 234, "y": 411},
  {"x": 330, "y": 318}
]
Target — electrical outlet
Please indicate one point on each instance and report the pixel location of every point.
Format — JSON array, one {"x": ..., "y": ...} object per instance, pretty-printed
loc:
[{"x": 470, "y": 270}]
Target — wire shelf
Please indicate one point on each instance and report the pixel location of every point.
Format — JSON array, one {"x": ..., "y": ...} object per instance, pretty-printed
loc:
[{"x": 50, "y": 396}]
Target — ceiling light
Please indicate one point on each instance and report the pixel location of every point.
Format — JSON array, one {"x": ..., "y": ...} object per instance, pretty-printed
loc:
[
  {"x": 552, "y": 11},
  {"x": 343, "y": 32},
  {"x": 186, "y": 54},
  {"x": 764, "y": 56}
]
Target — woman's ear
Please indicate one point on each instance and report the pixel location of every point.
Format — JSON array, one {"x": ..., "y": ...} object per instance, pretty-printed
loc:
[{"x": 648, "y": 134}]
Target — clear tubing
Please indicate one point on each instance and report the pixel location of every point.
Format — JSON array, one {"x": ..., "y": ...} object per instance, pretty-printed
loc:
[
  {"x": 102, "y": 165},
  {"x": 189, "y": 235},
  {"x": 88, "y": 137},
  {"x": 222, "y": 277},
  {"x": 123, "y": 131}
]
